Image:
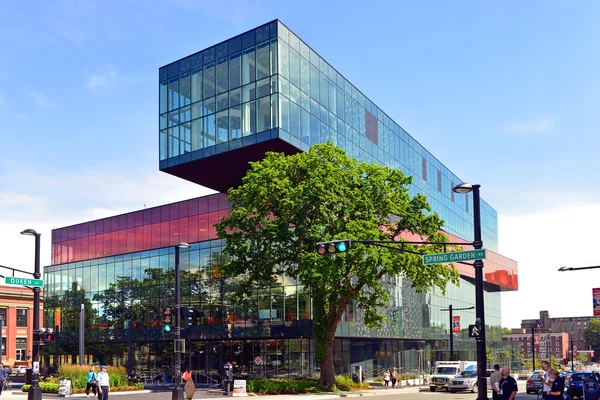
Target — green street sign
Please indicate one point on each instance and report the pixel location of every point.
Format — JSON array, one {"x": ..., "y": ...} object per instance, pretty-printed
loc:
[
  {"x": 442, "y": 258},
  {"x": 9, "y": 280}
]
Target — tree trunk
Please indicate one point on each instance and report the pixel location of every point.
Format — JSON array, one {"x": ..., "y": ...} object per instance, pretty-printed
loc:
[{"x": 327, "y": 371}]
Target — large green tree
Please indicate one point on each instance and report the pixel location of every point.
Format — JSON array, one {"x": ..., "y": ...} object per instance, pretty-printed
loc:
[
  {"x": 287, "y": 204},
  {"x": 591, "y": 334}
]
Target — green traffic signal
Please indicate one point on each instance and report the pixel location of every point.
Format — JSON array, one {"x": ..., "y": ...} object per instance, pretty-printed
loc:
[
  {"x": 335, "y": 246},
  {"x": 167, "y": 328}
]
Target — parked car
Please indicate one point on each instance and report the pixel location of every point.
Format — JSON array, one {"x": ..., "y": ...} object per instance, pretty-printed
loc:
[
  {"x": 21, "y": 370},
  {"x": 534, "y": 383},
  {"x": 467, "y": 380},
  {"x": 575, "y": 387}
]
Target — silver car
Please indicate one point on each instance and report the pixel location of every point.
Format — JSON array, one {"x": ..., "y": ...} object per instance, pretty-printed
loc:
[{"x": 466, "y": 380}]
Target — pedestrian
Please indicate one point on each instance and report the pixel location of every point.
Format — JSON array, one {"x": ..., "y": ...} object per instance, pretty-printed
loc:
[
  {"x": 386, "y": 378},
  {"x": 103, "y": 383},
  {"x": 363, "y": 376},
  {"x": 508, "y": 385},
  {"x": 558, "y": 385},
  {"x": 394, "y": 378},
  {"x": 495, "y": 382},
  {"x": 545, "y": 378},
  {"x": 2, "y": 376},
  {"x": 92, "y": 382}
]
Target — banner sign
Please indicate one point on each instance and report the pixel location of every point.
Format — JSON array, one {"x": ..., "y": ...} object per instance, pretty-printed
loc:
[
  {"x": 536, "y": 339},
  {"x": 456, "y": 324},
  {"x": 596, "y": 300},
  {"x": 239, "y": 388}
]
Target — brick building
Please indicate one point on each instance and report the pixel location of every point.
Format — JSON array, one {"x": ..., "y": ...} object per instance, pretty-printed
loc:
[
  {"x": 16, "y": 313},
  {"x": 573, "y": 326},
  {"x": 546, "y": 344}
]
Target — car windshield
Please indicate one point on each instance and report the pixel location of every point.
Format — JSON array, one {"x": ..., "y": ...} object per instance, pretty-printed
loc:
[
  {"x": 468, "y": 374},
  {"x": 446, "y": 371},
  {"x": 580, "y": 377},
  {"x": 534, "y": 377}
]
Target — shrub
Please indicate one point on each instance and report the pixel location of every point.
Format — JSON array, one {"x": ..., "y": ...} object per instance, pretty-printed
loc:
[{"x": 45, "y": 387}]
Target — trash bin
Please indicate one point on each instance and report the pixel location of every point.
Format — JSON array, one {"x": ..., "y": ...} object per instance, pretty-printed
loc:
[{"x": 28, "y": 374}]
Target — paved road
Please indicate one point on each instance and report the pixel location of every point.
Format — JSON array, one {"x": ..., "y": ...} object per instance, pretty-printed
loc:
[{"x": 408, "y": 393}]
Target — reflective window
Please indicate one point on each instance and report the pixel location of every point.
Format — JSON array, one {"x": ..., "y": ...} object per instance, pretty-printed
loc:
[{"x": 248, "y": 66}]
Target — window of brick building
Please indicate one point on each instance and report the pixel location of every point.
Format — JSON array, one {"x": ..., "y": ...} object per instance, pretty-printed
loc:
[{"x": 21, "y": 317}]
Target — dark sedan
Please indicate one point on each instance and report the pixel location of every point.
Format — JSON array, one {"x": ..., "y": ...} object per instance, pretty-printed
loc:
[
  {"x": 575, "y": 387},
  {"x": 534, "y": 383}
]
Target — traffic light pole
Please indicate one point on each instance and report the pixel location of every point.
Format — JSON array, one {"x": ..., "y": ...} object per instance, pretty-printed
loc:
[{"x": 450, "y": 310}]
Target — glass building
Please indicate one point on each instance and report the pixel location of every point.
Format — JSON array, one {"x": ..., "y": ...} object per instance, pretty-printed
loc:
[{"x": 264, "y": 90}]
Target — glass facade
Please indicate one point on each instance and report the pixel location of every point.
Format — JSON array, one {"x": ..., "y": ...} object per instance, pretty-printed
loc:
[
  {"x": 262, "y": 86},
  {"x": 273, "y": 85}
]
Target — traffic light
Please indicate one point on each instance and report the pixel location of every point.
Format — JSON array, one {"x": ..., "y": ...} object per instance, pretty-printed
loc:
[
  {"x": 167, "y": 319},
  {"x": 188, "y": 317},
  {"x": 334, "y": 246}
]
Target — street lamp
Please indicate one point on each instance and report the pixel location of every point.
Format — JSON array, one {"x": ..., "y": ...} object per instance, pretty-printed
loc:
[
  {"x": 450, "y": 309},
  {"x": 35, "y": 393},
  {"x": 177, "y": 390},
  {"x": 464, "y": 188},
  {"x": 565, "y": 269}
]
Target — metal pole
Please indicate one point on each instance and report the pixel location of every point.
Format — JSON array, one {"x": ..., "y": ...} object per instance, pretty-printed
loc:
[
  {"x": 533, "y": 348},
  {"x": 56, "y": 346},
  {"x": 130, "y": 340},
  {"x": 1, "y": 344},
  {"x": 177, "y": 390},
  {"x": 572, "y": 358},
  {"x": 451, "y": 334},
  {"x": 479, "y": 296},
  {"x": 35, "y": 393},
  {"x": 81, "y": 333}
]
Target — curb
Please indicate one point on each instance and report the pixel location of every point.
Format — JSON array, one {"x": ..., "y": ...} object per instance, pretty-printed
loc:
[{"x": 82, "y": 395}]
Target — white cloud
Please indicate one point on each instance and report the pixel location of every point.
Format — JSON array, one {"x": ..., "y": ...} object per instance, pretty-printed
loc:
[
  {"x": 542, "y": 242},
  {"x": 40, "y": 99},
  {"x": 541, "y": 126},
  {"x": 105, "y": 76}
]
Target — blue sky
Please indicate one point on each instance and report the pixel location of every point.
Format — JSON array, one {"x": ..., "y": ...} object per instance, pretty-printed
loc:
[{"x": 505, "y": 94}]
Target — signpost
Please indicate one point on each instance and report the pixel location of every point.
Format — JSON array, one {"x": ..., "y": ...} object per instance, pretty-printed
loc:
[
  {"x": 11, "y": 280},
  {"x": 442, "y": 258}
]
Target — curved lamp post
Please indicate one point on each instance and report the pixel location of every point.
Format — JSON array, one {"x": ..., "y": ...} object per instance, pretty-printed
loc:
[
  {"x": 465, "y": 188},
  {"x": 35, "y": 392}
]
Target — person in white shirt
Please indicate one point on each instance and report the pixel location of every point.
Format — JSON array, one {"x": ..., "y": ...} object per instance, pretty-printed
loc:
[
  {"x": 103, "y": 383},
  {"x": 545, "y": 377}
]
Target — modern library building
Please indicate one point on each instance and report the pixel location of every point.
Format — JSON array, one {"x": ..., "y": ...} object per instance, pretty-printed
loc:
[{"x": 219, "y": 109}]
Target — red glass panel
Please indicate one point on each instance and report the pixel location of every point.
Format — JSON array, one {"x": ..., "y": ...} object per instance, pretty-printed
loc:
[
  {"x": 174, "y": 232},
  {"x": 147, "y": 236},
  {"x": 138, "y": 238},
  {"x": 223, "y": 202},
  {"x": 174, "y": 211},
  {"x": 138, "y": 218},
  {"x": 130, "y": 234},
  {"x": 155, "y": 235},
  {"x": 55, "y": 256},
  {"x": 147, "y": 216},
  {"x": 213, "y": 218},
  {"x": 71, "y": 249},
  {"x": 183, "y": 230},
  {"x": 91, "y": 228},
  {"x": 164, "y": 234},
  {"x": 202, "y": 227},
  {"x": 193, "y": 228},
  {"x": 64, "y": 252},
  {"x": 114, "y": 223},
  {"x": 156, "y": 215},
  {"x": 114, "y": 243},
  {"x": 122, "y": 221},
  {"x": 71, "y": 233},
  {"x": 92, "y": 246},
  {"x": 84, "y": 255},
  {"x": 122, "y": 234}
]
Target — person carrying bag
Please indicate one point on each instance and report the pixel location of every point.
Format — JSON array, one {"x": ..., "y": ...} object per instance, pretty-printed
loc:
[{"x": 92, "y": 382}]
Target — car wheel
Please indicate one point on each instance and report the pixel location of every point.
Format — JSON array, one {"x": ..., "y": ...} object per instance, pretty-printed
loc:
[
  {"x": 529, "y": 392},
  {"x": 432, "y": 389},
  {"x": 475, "y": 389}
]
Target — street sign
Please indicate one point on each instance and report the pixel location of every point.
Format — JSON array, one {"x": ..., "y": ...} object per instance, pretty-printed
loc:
[
  {"x": 442, "y": 258},
  {"x": 11, "y": 280}
]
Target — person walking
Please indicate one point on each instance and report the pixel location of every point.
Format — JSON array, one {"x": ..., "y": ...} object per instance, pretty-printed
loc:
[
  {"x": 103, "y": 383},
  {"x": 495, "y": 382},
  {"x": 508, "y": 385},
  {"x": 394, "y": 378},
  {"x": 386, "y": 378},
  {"x": 558, "y": 385},
  {"x": 2, "y": 377},
  {"x": 92, "y": 382}
]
